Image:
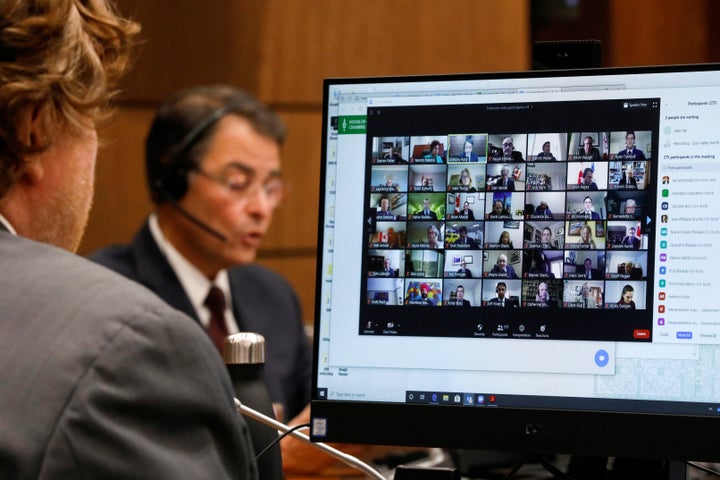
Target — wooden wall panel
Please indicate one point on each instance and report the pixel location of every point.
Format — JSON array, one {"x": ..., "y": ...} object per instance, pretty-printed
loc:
[
  {"x": 281, "y": 50},
  {"x": 645, "y": 32},
  {"x": 186, "y": 42},
  {"x": 328, "y": 38},
  {"x": 295, "y": 222},
  {"x": 121, "y": 196},
  {"x": 300, "y": 272}
]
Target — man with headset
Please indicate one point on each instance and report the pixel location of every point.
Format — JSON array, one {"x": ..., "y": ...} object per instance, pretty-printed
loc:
[{"x": 213, "y": 169}]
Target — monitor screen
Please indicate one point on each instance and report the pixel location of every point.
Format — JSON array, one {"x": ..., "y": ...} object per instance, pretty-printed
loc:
[{"x": 521, "y": 261}]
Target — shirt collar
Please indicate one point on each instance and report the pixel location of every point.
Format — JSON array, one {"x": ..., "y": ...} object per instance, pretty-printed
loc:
[
  {"x": 193, "y": 281},
  {"x": 7, "y": 225}
]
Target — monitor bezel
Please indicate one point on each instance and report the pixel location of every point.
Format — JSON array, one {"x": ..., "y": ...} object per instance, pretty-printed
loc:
[{"x": 537, "y": 430}]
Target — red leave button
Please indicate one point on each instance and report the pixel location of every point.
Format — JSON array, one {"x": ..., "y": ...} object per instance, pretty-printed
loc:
[{"x": 641, "y": 333}]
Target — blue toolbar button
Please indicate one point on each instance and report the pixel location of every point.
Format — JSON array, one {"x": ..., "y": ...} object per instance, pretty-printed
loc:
[
  {"x": 684, "y": 335},
  {"x": 601, "y": 358}
]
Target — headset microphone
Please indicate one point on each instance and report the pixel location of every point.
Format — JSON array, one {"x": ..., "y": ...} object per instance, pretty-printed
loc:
[
  {"x": 171, "y": 181},
  {"x": 204, "y": 226}
]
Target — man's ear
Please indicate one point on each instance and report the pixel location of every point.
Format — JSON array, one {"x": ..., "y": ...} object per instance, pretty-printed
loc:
[{"x": 30, "y": 131}]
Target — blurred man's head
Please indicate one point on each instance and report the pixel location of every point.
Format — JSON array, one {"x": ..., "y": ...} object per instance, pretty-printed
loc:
[
  {"x": 546, "y": 235},
  {"x": 630, "y": 140},
  {"x": 213, "y": 155},
  {"x": 508, "y": 146},
  {"x": 502, "y": 261},
  {"x": 497, "y": 207},
  {"x": 468, "y": 147},
  {"x": 630, "y": 206},
  {"x": 60, "y": 63}
]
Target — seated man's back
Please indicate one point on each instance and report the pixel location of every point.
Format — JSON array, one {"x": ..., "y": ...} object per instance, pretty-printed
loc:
[{"x": 101, "y": 379}]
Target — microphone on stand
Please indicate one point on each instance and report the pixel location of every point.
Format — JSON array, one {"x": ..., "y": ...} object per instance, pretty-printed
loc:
[
  {"x": 244, "y": 355},
  {"x": 281, "y": 427}
]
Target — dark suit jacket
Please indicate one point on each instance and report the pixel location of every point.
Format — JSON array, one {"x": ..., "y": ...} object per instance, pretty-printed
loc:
[
  {"x": 594, "y": 154},
  {"x": 594, "y": 274},
  {"x": 101, "y": 379},
  {"x": 509, "y": 302},
  {"x": 263, "y": 302},
  {"x": 593, "y": 215},
  {"x": 465, "y": 272},
  {"x": 635, "y": 153},
  {"x": 508, "y": 269},
  {"x": 510, "y": 184},
  {"x": 429, "y": 216},
  {"x": 634, "y": 241}
]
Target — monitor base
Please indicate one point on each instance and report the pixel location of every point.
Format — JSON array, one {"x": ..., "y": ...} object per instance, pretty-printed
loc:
[
  {"x": 601, "y": 468},
  {"x": 429, "y": 473}
]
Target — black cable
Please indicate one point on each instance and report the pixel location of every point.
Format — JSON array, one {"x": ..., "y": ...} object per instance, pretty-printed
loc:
[{"x": 280, "y": 437}]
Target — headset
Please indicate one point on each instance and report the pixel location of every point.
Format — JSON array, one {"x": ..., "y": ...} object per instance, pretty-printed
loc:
[{"x": 170, "y": 181}]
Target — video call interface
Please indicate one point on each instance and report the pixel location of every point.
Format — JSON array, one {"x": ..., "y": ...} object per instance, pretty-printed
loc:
[{"x": 479, "y": 217}]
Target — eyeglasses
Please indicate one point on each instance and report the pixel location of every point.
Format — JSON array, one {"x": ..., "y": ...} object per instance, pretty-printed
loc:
[
  {"x": 509, "y": 144},
  {"x": 240, "y": 181}
]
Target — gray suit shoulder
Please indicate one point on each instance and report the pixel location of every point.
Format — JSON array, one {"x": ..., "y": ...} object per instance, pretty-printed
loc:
[
  {"x": 102, "y": 365},
  {"x": 117, "y": 258}
]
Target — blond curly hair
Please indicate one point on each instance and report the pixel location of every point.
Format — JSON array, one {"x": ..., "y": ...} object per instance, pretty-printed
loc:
[{"x": 63, "y": 58}]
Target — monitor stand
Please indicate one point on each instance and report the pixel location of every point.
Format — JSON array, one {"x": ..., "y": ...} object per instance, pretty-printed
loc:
[
  {"x": 427, "y": 473},
  {"x": 596, "y": 468},
  {"x": 539, "y": 459}
]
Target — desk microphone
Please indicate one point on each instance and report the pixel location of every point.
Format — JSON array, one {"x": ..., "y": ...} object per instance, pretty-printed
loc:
[
  {"x": 281, "y": 427},
  {"x": 244, "y": 355}
]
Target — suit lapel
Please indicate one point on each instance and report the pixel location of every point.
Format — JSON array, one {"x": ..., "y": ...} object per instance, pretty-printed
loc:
[{"x": 155, "y": 272}]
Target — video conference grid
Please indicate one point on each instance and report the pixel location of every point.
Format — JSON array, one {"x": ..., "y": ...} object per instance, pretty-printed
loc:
[{"x": 513, "y": 219}]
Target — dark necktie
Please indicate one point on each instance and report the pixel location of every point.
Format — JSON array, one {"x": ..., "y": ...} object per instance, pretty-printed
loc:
[{"x": 217, "y": 329}]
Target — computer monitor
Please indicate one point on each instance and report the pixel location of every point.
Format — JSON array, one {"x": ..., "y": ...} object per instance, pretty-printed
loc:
[{"x": 521, "y": 261}]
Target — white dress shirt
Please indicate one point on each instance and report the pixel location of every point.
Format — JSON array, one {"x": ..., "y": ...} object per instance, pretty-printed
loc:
[{"x": 193, "y": 281}]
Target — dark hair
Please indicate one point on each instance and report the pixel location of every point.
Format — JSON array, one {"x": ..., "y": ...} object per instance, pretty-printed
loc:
[{"x": 183, "y": 127}]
